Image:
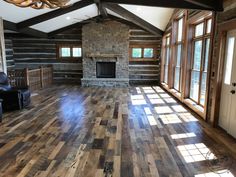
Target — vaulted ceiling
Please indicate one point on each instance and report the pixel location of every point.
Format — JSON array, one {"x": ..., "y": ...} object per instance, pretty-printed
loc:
[{"x": 151, "y": 15}]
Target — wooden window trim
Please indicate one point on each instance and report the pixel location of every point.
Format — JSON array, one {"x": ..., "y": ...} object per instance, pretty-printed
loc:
[
  {"x": 176, "y": 43},
  {"x": 163, "y": 60},
  {"x": 71, "y": 58},
  {"x": 154, "y": 58},
  {"x": 186, "y": 64},
  {"x": 204, "y": 39}
]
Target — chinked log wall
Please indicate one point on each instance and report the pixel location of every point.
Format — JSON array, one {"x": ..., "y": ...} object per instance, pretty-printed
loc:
[
  {"x": 34, "y": 52},
  {"x": 144, "y": 72},
  {"x": 9, "y": 53}
]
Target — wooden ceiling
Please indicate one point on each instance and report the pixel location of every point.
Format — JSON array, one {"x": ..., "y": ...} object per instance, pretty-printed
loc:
[{"x": 113, "y": 5}]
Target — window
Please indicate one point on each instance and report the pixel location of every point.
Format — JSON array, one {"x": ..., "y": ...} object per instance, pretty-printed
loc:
[
  {"x": 178, "y": 45},
  {"x": 65, "y": 52},
  {"x": 199, "y": 67},
  {"x": 143, "y": 52},
  {"x": 77, "y": 52},
  {"x": 148, "y": 53},
  {"x": 229, "y": 60},
  {"x": 137, "y": 53},
  {"x": 166, "y": 57},
  {"x": 69, "y": 51}
]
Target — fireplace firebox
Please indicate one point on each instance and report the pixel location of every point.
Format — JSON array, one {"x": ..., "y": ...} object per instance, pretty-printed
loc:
[{"x": 106, "y": 69}]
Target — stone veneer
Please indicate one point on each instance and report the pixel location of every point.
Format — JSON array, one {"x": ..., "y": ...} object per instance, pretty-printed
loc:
[{"x": 105, "y": 39}]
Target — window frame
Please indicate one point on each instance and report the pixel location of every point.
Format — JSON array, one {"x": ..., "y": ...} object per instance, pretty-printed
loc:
[
  {"x": 71, "y": 46},
  {"x": 204, "y": 37},
  {"x": 142, "y": 58},
  {"x": 175, "y": 46},
  {"x": 165, "y": 48}
]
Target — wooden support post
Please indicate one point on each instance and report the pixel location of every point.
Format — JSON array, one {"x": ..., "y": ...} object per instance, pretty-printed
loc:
[
  {"x": 41, "y": 76},
  {"x": 27, "y": 77}
]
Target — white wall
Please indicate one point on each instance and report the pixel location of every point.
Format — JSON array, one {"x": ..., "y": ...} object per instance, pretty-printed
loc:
[{"x": 2, "y": 49}]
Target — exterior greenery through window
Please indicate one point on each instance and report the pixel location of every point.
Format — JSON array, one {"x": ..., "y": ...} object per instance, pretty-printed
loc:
[
  {"x": 199, "y": 67},
  {"x": 143, "y": 53},
  {"x": 166, "y": 57},
  {"x": 69, "y": 51},
  {"x": 178, "y": 45}
]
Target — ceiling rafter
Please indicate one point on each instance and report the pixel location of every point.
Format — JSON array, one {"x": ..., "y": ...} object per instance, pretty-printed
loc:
[
  {"x": 135, "y": 19},
  {"x": 29, "y": 31},
  {"x": 101, "y": 9},
  {"x": 203, "y": 3},
  {"x": 54, "y": 14},
  {"x": 181, "y": 4},
  {"x": 80, "y": 24}
]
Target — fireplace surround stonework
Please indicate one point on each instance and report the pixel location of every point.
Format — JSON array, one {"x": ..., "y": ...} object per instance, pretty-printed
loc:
[{"x": 105, "y": 42}]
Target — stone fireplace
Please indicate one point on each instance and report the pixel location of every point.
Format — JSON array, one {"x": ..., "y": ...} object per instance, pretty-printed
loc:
[{"x": 105, "y": 51}]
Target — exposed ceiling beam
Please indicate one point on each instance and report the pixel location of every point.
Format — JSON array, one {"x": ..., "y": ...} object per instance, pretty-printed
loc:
[
  {"x": 53, "y": 14},
  {"x": 101, "y": 9},
  {"x": 135, "y": 19},
  {"x": 29, "y": 31},
  {"x": 80, "y": 24},
  {"x": 76, "y": 25},
  {"x": 181, "y": 4},
  {"x": 121, "y": 20},
  {"x": 207, "y": 4}
]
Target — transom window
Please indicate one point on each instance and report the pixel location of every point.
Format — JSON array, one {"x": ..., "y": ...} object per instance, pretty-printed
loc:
[
  {"x": 69, "y": 51},
  {"x": 199, "y": 66}
]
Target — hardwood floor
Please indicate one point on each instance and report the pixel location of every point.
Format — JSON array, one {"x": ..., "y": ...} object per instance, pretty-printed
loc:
[{"x": 102, "y": 132}]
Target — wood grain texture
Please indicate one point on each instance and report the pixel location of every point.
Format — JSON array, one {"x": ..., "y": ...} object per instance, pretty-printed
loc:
[{"x": 70, "y": 131}]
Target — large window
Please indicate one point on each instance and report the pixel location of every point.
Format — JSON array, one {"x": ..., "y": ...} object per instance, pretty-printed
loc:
[
  {"x": 178, "y": 46},
  {"x": 69, "y": 51},
  {"x": 166, "y": 58},
  {"x": 200, "y": 58}
]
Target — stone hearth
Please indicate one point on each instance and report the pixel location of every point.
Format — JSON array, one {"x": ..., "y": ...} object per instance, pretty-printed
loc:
[{"x": 105, "y": 42}]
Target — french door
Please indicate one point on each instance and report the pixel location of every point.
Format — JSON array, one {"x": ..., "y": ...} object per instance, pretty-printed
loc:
[{"x": 227, "y": 117}]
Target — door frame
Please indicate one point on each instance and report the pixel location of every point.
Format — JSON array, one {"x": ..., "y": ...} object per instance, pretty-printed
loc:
[{"x": 223, "y": 29}]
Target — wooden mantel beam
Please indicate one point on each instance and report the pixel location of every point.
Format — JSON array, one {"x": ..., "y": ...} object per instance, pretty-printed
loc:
[
  {"x": 135, "y": 19},
  {"x": 180, "y": 4}
]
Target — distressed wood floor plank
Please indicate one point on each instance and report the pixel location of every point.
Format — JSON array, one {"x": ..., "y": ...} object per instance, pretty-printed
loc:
[{"x": 70, "y": 131}]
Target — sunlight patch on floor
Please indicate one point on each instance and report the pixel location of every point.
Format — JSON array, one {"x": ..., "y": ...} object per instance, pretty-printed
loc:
[
  {"x": 221, "y": 173},
  {"x": 195, "y": 152},
  {"x": 138, "y": 100},
  {"x": 169, "y": 100},
  {"x": 187, "y": 117},
  {"x": 183, "y": 135},
  {"x": 165, "y": 95},
  {"x": 163, "y": 110},
  {"x": 170, "y": 119},
  {"x": 138, "y": 90},
  {"x": 179, "y": 108}
]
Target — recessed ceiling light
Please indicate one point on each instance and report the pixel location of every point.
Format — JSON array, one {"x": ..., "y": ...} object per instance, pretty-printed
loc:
[{"x": 68, "y": 18}]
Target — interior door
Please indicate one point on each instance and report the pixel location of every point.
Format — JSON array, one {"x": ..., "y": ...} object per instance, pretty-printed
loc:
[{"x": 227, "y": 118}]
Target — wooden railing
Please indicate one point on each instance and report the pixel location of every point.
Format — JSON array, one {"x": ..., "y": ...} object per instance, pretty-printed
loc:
[{"x": 35, "y": 79}]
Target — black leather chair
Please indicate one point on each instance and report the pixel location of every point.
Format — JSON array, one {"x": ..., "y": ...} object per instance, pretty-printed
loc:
[{"x": 13, "y": 98}]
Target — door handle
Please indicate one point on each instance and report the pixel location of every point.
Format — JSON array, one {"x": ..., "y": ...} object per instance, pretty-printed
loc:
[{"x": 233, "y": 92}]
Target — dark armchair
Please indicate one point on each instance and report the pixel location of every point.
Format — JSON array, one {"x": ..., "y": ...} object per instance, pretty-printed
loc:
[{"x": 13, "y": 98}]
